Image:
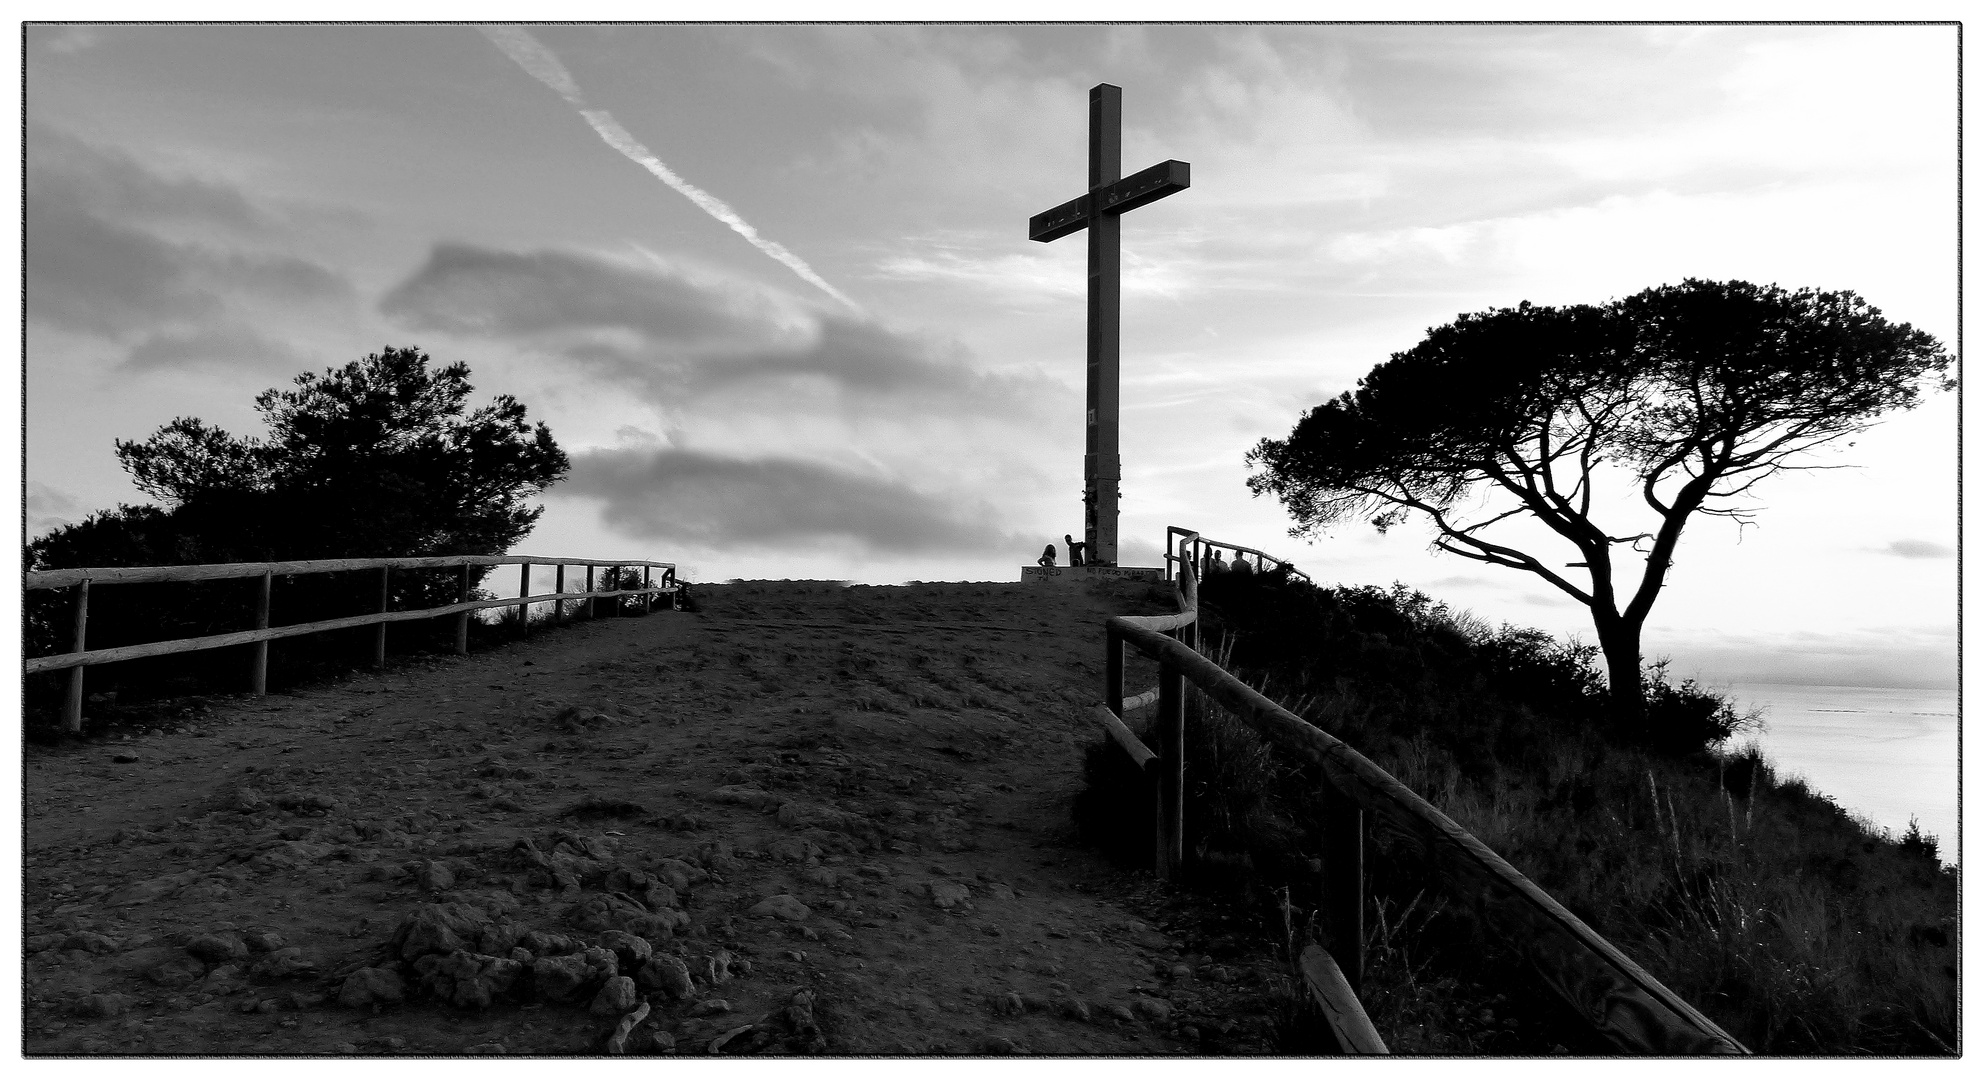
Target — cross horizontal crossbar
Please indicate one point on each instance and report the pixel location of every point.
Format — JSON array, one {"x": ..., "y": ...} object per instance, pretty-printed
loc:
[{"x": 1126, "y": 194}]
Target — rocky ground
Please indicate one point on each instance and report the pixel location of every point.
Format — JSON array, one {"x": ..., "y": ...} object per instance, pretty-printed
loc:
[{"x": 806, "y": 819}]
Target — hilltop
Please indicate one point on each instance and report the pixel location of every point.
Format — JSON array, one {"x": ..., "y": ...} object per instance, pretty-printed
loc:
[{"x": 844, "y": 811}]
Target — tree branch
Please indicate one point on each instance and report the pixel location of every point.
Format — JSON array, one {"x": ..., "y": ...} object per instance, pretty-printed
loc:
[{"x": 1486, "y": 551}]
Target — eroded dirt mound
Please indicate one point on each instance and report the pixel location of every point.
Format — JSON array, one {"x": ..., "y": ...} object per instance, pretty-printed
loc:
[{"x": 808, "y": 819}]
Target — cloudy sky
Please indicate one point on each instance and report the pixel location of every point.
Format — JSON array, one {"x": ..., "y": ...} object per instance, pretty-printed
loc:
[{"x": 770, "y": 286}]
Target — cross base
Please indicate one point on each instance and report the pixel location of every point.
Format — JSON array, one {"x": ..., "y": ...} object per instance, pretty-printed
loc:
[{"x": 1075, "y": 575}]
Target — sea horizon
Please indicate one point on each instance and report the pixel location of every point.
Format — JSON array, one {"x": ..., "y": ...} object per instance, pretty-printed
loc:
[{"x": 1887, "y": 754}]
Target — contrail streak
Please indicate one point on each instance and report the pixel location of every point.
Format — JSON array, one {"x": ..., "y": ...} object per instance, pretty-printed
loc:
[{"x": 542, "y": 65}]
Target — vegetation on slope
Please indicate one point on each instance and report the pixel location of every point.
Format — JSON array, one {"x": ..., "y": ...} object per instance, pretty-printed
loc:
[{"x": 1788, "y": 922}]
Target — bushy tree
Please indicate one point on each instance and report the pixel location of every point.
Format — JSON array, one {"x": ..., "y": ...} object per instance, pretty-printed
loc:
[
  {"x": 382, "y": 457},
  {"x": 1690, "y": 394}
]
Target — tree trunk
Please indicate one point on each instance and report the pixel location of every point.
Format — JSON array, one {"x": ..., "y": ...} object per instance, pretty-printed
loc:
[{"x": 1619, "y": 638}]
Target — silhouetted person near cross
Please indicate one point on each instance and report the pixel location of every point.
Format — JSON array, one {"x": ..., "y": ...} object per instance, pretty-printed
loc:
[
  {"x": 1047, "y": 556},
  {"x": 1074, "y": 549}
]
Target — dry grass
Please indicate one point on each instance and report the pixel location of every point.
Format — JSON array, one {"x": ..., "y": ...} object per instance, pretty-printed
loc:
[{"x": 1795, "y": 927}]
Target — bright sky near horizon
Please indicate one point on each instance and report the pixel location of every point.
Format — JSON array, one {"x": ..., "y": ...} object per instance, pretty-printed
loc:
[{"x": 770, "y": 285}]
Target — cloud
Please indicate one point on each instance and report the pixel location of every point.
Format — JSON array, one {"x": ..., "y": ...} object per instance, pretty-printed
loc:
[
  {"x": 49, "y": 509},
  {"x": 108, "y": 250},
  {"x": 862, "y": 356},
  {"x": 1919, "y": 549},
  {"x": 116, "y": 186},
  {"x": 774, "y": 503},
  {"x": 675, "y": 335},
  {"x": 482, "y": 292},
  {"x": 70, "y": 39},
  {"x": 1466, "y": 581},
  {"x": 86, "y": 274},
  {"x": 1033, "y": 274},
  {"x": 100, "y": 277},
  {"x": 217, "y": 346},
  {"x": 1026, "y": 272}
]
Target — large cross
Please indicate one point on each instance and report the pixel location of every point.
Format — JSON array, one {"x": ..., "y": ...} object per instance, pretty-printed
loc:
[{"x": 1109, "y": 196}]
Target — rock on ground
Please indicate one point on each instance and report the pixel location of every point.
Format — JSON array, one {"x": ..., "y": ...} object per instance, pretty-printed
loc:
[
  {"x": 666, "y": 973},
  {"x": 467, "y": 979},
  {"x": 568, "y": 978},
  {"x": 783, "y": 906},
  {"x": 616, "y": 997},
  {"x": 371, "y": 986}
]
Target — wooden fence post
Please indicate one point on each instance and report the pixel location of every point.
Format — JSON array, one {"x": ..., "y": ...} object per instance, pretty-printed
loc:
[
  {"x": 591, "y": 602},
  {"x": 1342, "y": 881},
  {"x": 646, "y": 598},
  {"x": 1170, "y": 771},
  {"x": 558, "y": 615},
  {"x": 385, "y": 605},
  {"x": 523, "y": 609},
  {"x": 461, "y": 621},
  {"x": 1188, "y": 633},
  {"x": 259, "y": 678},
  {"x": 613, "y": 585},
  {"x": 72, "y": 710},
  {"x": 1112, "y": 671}
]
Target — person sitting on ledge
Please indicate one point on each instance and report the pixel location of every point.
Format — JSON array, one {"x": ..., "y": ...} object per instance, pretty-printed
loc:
[
  {"x": 1047, "y": 556},
  {"x": 1240, "y": 565},
  {"x": 1074, "y": 549}
]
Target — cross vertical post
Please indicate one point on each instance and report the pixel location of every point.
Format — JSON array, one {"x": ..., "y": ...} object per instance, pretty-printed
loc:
[
  {"x": 1101, "y": 470},
  {"x": 1110, "y": 195}
]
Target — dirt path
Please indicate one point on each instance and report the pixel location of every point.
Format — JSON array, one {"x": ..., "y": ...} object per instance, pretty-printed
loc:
[{"x": 867, "y": 827}]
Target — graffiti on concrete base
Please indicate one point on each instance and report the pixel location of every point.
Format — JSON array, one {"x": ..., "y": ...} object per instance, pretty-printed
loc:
[{"x": 1090, "y": 573}]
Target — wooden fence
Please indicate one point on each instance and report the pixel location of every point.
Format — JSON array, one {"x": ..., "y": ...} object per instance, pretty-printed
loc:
[
  {"x": 80, "y": 657},
  {"x": 1619, "y": 999}
]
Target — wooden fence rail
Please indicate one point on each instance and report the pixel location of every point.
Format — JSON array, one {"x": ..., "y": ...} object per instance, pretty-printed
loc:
[
  {"x": 79, "y": 657},
  {"x": 1619, "y": 999},
  {"x": 1185, "y": 546}
]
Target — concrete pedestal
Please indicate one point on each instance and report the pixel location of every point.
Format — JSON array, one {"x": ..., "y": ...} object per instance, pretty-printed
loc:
[{"x": 1066, "y": 575}]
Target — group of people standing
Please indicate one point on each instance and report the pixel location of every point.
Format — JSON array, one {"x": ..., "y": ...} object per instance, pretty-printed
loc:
[{"x": 1216, "y": 563}]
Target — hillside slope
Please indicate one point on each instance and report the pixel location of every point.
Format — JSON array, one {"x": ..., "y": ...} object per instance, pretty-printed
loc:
[{"x": 212, "y": 886}]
